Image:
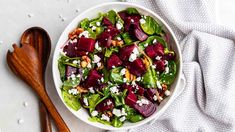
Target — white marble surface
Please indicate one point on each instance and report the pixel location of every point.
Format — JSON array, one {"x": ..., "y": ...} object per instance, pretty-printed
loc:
[{"x": 18, "y": 15}]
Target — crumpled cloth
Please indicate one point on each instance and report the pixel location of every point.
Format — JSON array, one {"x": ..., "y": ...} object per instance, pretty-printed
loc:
[{"x": 208, "y": 100}]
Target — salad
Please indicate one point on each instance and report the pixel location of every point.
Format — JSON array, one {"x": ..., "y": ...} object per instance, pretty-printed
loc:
[{"x": 117, "y": 66}]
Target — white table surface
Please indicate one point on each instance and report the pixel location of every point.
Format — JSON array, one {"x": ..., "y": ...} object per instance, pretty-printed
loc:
[{"x": 14, "y": 20}]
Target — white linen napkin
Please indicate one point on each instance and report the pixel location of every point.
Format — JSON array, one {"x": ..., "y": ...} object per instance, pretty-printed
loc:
[{"x": 208, "y": 101}]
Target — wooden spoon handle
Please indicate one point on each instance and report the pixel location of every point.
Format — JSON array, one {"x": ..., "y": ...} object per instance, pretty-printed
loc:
[
  {"x": 52, "y": 110},
  {"x": 44, "y": 118}
]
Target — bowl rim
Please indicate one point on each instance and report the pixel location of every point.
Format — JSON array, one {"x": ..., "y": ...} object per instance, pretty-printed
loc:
[{"x": 177, "y": 79}]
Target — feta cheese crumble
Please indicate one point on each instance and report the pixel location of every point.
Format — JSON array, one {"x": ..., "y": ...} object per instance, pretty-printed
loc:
[
  {"x": 119, "y": 112},
  {"x": 165, "y": 62},
  {"x": 96, "y": 59},
  {"x": 142, "y": 21},
  {"x": 132, "y": 20},
  {"x": 124, "y": 79},
  {"x": 97, "y": 47},
  {"x": 98, "y": 64},
  {"x": 141, "y": 102},
  {"x": 104, "y": 117},
  {"x": 167, "y": 70},
  {"x": 119, "y": 26},
  {"x": 93, "y": 28},
  {"x": 154, "y": 41},
  {"x": 159, "y": 85},
  {"x": 94, "y": 113},
  {"x": 118, "y": 38},
  {"x": 98, "y": 24},
  {"x": 85, "y": 101},
  {"x": 134, "y": 55},
  {"x": 138, "y": 79},
  {"x": 122, "y": 119},
  {"x": 109, "y": 102},
  {"x": 91, "y": 89},
  {"x": 155, "y": 98},
  {"x": 146, "y": 44},
  {"x": 84, "y": 33},
  {"x": 158, "y": 57},
  {"x": 167, "y": 93},
  {"x": 123, "y": 71},
  {"x": 73, "y": 77},
  {"x": 73, "y": 91},
  {"x": 114, "y": 89}
]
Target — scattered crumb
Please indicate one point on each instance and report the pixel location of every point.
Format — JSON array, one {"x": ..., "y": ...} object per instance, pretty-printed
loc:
[
  {"x": 77, "y": 10},
  {"x": 30, "y": 15},
  {"x": 20, "y": 121},
  {"x": 25, "y": 104}
]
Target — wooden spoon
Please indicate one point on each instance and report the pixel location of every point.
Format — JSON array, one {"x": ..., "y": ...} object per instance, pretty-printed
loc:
[
  {"x": 24, "y": 62},
  {"x": 40, "y": 40}
]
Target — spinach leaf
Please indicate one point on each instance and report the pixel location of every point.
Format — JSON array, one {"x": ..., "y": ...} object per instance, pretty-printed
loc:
[
  {"x": 120, "y": 98},
  {"x": 150, "y": 78},
  {"x": 71, "y": 100},
  {"x": 115, "y": 75},
  {"x": 96, "y": 119},
  {"x": 62, "y": 70},
  {"x": 149, "y": 41},
  {"x": 92, "y": 101},
  {"x": 112, "y": 16},
  {"x": 127, "y": 38},
  {"x": 106, "y": 75},
  {"x": 71, "y": 83},
  {"x": 132, "y": 11},
  {"x": 151, "y": 26},
  {"x": 136, "y": 118},
  {"x": 169, "y": 78},
  {"x": 109, "y": 51},
  {"x": 130, "y": 111},
  {"x": 85, "y": 23},
  {"x": 116, "y": 122}
]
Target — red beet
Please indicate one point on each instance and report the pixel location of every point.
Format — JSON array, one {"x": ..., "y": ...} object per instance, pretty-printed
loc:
[
  {"x": 170, "y": 56},
  {"x": 137, "y": 67},
  {"x": 106, "y": 22},
  {"x": 130, "y": 99},
  {"x": 150, "y": 51},
  {"x": 86, "y": 44},
  {"x": 159, "y": 65},
  {"x": 123, "y": 15},
  {"x": 112, "y": 31},
  {"x": 125, "y": 52},
  {"x": 159, "y": 49},
  {"x": 105, "y": 39},
  {"x": 70, "y": 70},
  {"x": 105, "y": 105},
  {"x": 128, "y": 87},
  {"x": 150, "y": 93},
  {"x": 146, "y": 109},
  {"x": 131, "y": 23},
  {"x": 70, "y": 49},
  {"x": 113, "y": 61},
  {"x": 92, "y": 79},
  {"x": 140, "y": 35},
  {"x": 140, "y": 90}
]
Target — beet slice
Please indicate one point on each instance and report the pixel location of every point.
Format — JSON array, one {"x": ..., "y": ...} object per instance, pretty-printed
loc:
[
  {"x": 105, "y": 39},
  {"x": 92, "y": 79},
  {"x": 125, "y": 52},
  {"x": 130, "y": 99},
  {"x": 146, "y": 109},
  {"x": 70, "y": 71},
  {"x": 159, "y": 49},
  {"x": 106, "y": 22},
  {"x": 140, "y": 90},
  {"x": 105, "y": 105},
  {"x": 112, "y": 31},
  {"x": 160, "y": 66},
  {"x": 70, "y": 49},
  {"x": 123, "y": 15},
  {"x": 140, "y": 35},
  {"x": 170, "y": 56},
  {"x": 149, "y": 50},
  {"x": 128, "y": 87},
  {"x": 149, "y": 93},
  {"x": 86, "y": 44},
  {"x": 114, "y": 60},
  {"x": 131, "y": 23},
  {"x": 137, "y": 67}
]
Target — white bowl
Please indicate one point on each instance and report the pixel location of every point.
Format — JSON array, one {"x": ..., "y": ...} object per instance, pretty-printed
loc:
[{"x": 92, "y": 13}]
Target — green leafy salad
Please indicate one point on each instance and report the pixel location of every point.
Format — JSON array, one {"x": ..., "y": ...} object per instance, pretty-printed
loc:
[{"x": 117, "y": 66}]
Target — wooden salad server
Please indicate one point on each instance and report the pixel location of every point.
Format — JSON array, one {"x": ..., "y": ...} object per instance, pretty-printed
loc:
[
  {"x": 38, "y": 38},
  {"x": 25, "y": 63}
]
